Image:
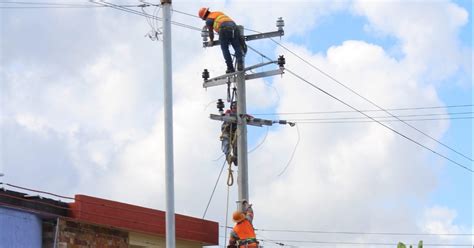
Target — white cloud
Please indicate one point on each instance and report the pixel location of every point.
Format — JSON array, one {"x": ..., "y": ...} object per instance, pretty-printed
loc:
[
  {"x": 105, "y": 118},
  {"x": 441, "y": 220},
  {"x": 427, "y": 32}
]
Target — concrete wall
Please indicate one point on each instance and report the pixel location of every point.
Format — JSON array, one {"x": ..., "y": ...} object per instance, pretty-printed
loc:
[{"x": 19, "y": 229}]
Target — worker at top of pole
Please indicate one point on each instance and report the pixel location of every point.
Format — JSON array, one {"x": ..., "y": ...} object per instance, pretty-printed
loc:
[
  {"x": 243, "y": 233},
  {"x": 229, "y": 34}
]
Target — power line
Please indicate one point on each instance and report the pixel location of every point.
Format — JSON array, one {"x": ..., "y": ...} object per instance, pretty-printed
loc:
[
  {"x": 263, "y": 230},
  {"x": 368, "y": 116},
  {"x": 369, "y": 121},
  {"x": 371, "y": 102},
  {"x": 386, "y": 117},
  {"x": 368, "y": 100},
  {"x": 393, "y": 130},
  {"x": 293, "y": 153},
  {"x": 354, "y": 92},
  {"x": 358, "y": 243},
  {"x": 364, "y": 233},
  {"x": 184, "y": 13},
  {"x": 367, "y": 110},
  {"x": 49, "y": 5},
  {"x": 119, "y": 7}
]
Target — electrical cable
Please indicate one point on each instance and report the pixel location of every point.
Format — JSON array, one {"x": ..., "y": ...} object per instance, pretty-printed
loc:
[
  {"x": 261, "y": 143},
  {"x": 362, "y": 233},
  {"x": 213, "y": 190},
  {"x": 119, "y": 7},
  {"x": 43, "y": 5},
  {"x": 38, "y": 191},
  {"x": 184, "y": 13},
  {"x": 393, "y": 130},
  {"x": 366, "y": 99},
  {"x": 369, "y": 121},
  {"x": 49, "y": 7},
  {"x": 369, "y": 101},
  {"x": 262, "y": 230},
  {"x": 361, "y": 243},
  {"x": 380, "y": 117},
  {"x": 355, "y": 109},
  {"x": 367, "y": 110},
  {"x": 293, "y": 153}
]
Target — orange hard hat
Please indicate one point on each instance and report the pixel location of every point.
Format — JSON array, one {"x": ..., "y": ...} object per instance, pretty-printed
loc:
[
  {"x": 238, "y": 216},
  {"x": 202, "y": 12}
]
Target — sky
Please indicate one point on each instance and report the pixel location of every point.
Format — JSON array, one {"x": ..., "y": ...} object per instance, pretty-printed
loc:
[{"x": 81, "y": 112}]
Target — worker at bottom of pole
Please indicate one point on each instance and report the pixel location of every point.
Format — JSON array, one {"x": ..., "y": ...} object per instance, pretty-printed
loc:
[
  {"x": 229, "y": 34},
  {"x": 243, "y": 233}
]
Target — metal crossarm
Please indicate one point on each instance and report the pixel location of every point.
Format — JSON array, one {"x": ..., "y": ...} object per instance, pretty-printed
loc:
[
  {"x": 231, "y": 77},
  {"x": 250, "y": 121}
]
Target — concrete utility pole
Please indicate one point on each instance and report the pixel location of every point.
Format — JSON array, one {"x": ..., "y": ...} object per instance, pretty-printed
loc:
[
  {"x": 168, "y": 107},
  {"x": 239, "y": 79},
  {"x": 243, "y": 175}
]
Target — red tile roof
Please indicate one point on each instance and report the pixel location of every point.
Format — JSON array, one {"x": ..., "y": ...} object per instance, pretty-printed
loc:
[{"x": 140, "y": 219}]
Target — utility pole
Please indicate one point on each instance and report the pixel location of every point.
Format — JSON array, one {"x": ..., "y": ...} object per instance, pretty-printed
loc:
[
  {"x": 243, "y": 175},
  {"x": 239, "y": 78},
  {"x": 168, "y": 118}
]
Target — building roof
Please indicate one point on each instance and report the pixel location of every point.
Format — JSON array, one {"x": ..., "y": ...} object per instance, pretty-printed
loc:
[
  {"x": 140, "y": 219},
  {"x": 115, "y": 214}
]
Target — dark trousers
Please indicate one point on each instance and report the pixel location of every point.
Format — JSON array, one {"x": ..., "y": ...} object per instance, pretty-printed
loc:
[{"x": 230, "y": 36}]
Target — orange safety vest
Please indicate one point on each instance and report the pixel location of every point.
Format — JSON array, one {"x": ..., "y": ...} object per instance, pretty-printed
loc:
[
  {"x": 245, "y": 232},
  {"x": 218, "y": 18}
]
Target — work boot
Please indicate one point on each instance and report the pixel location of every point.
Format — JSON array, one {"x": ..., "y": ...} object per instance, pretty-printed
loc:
[
  {"x": 230, "y": 70},
  {"x": 240, "y": 67}
]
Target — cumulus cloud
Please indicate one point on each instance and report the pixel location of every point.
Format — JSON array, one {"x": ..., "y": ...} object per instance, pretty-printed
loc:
[
  {"x": 429, "y": 40},
  {"x": 97, "y": 127}
]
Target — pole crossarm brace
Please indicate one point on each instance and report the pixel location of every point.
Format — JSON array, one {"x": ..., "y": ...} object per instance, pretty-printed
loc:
[
  {"x": 231, "y": 77},
  {"x": 250, "y": 121}
]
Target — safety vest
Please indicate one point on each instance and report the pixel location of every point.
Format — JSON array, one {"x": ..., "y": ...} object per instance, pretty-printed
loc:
[
  {"x": 218, "y": 18},
  {"x": 246, "y": 234}
]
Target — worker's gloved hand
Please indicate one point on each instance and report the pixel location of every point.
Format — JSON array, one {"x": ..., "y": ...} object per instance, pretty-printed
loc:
[
  {"x": 246, "y": 206},
  {"x": 209, "y": 43}
]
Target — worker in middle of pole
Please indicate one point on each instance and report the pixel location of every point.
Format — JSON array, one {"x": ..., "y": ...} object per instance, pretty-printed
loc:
[
  {"x": 228, "y": 136},
  {"x": 229, "y": 34}
]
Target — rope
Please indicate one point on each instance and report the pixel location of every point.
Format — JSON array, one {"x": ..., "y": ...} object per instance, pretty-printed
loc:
[
  {"x": 230, "y": 177},
  {"x": 213, "y": 190},
  {"x": 226, "y": 216}
]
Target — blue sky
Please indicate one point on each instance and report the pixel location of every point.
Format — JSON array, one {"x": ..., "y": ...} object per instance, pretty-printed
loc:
[
  {"x": 81, "y": 112},
  {"x": 455, "y": 182}
]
